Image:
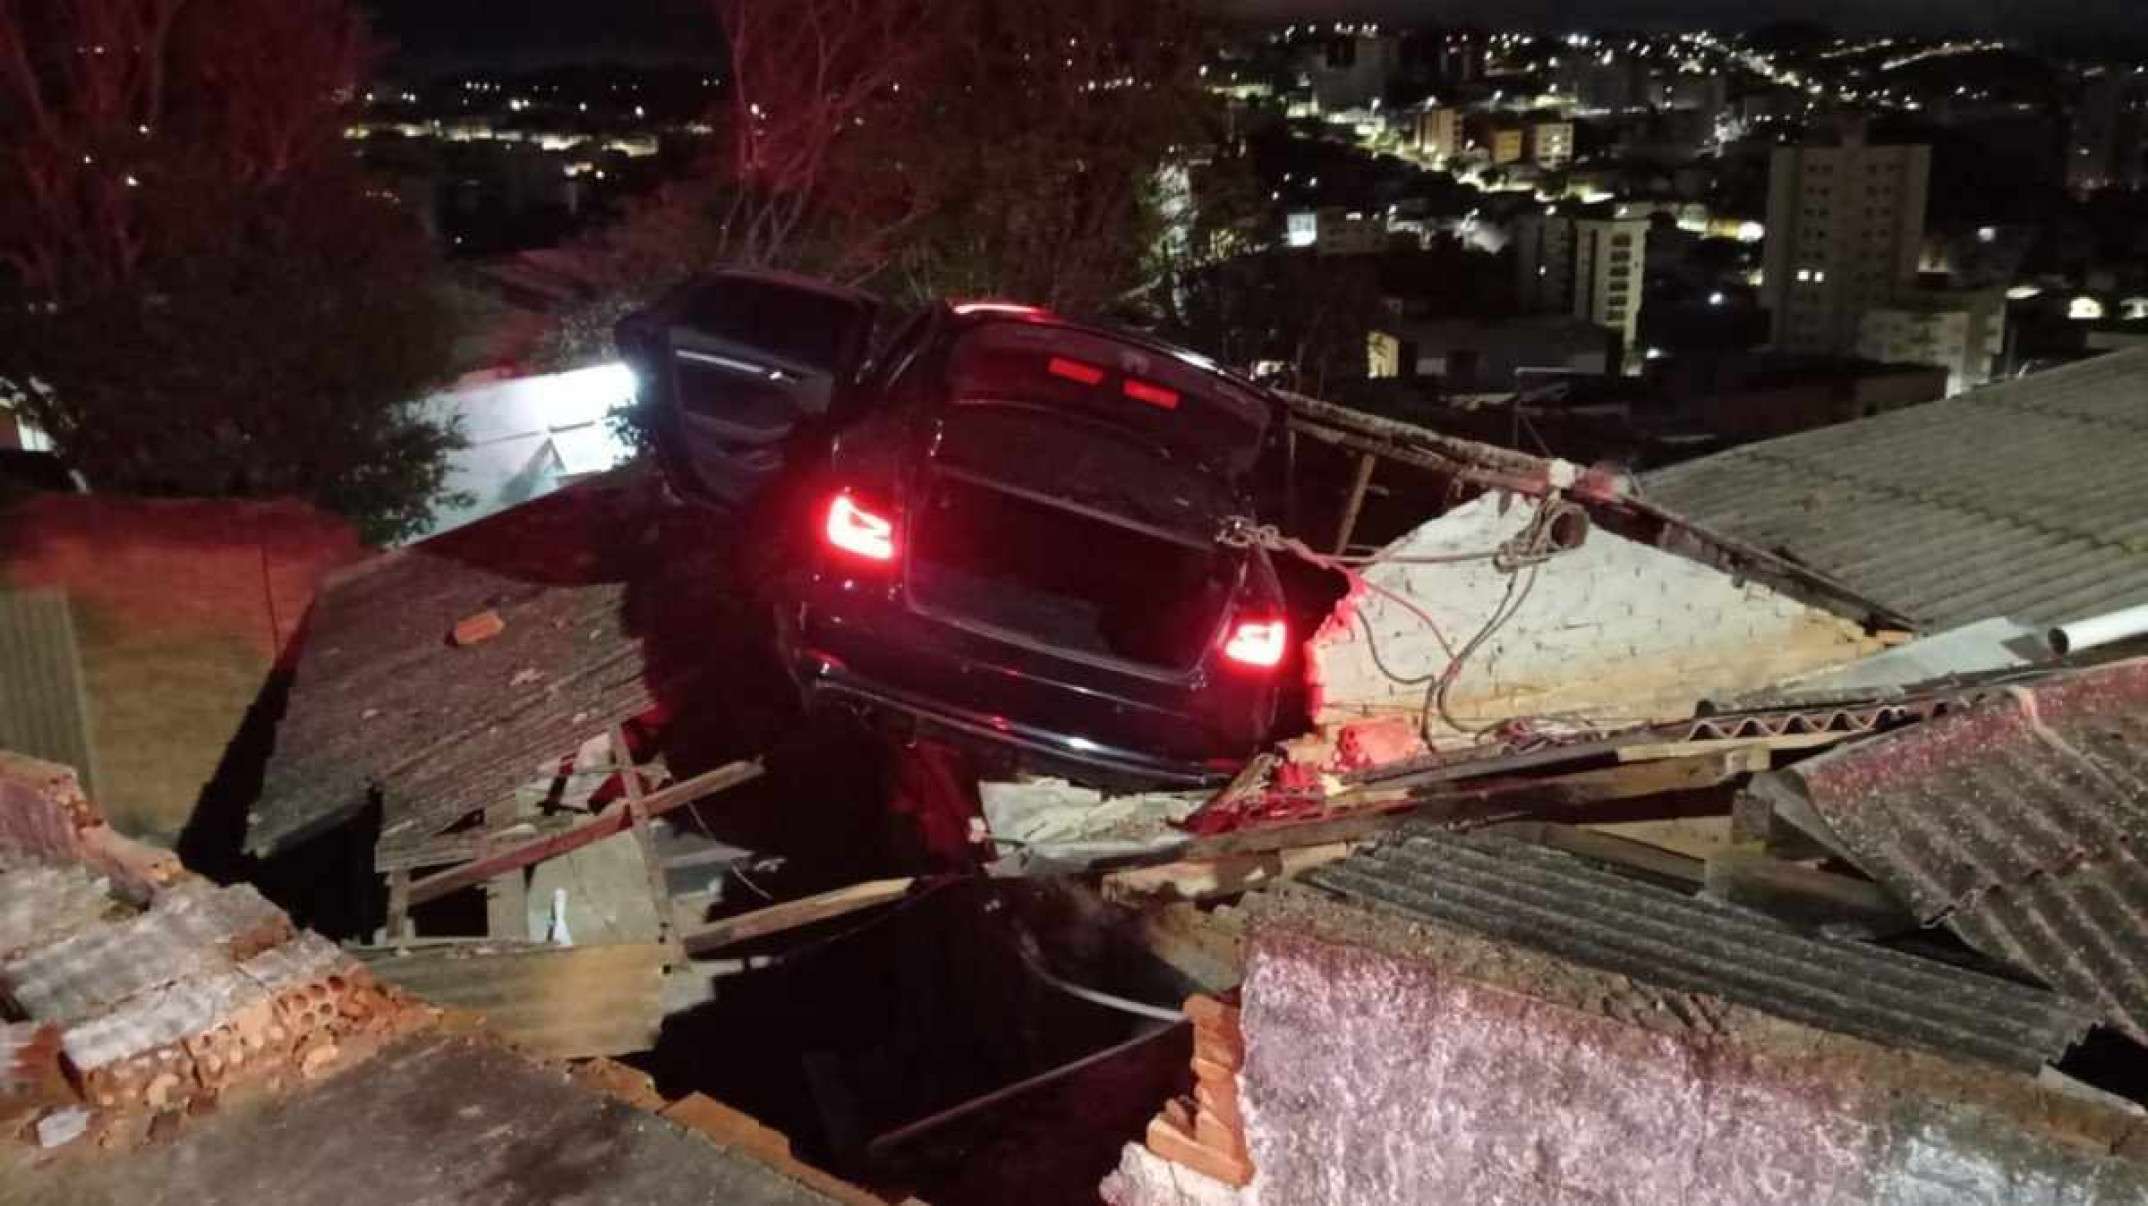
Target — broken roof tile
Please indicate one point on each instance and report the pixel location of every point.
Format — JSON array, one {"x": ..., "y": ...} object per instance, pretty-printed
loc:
[
  {"x": 1553, "y": 902},
  {"x": 2013, "y": 821}
]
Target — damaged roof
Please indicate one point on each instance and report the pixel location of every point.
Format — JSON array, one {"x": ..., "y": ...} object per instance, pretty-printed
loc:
[
  {"x": 2013, "y": 821},
  {"x": 2022, "y": 499},
  {"x": 435, "y": 1118},
  {"x": 382, "y": 700},
  {"x": 1513, "y": 891}
]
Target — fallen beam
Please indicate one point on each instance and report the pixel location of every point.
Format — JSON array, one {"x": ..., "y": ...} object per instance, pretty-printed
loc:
[
  {"x": 791, "y": 914},
  {"x": 1621, "y": 781},
  {"x": 615, "y": 818},
  {"x": 1674, "y": 869},
  {"x": 1808, "y": 895}
]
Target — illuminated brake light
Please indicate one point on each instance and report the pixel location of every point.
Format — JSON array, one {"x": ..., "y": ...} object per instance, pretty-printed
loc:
[
  {"x": 990, "y": 307},
  {"x": 1154, "y": 395},
  {"x": 858, "y": 531},
  {"x": 1257, "y": 642},
  {"x": 1075, "y": 370}
]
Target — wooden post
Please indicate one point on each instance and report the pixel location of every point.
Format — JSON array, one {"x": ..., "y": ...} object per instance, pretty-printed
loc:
[
  {"x": 645, "y": 837},
  {"x": 507, "y": 898},
  {"x": 399, "y": 923},
  {"x": 1355, "y": 503}
]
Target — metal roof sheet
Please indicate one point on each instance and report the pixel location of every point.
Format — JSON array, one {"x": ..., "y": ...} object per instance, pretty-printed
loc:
[
  {"x": 2026, "y": 499},
  {"x": 44, "y": 707},
  {"x": 2014, "y": 820},
  {"x": 1554, "y": 902}
]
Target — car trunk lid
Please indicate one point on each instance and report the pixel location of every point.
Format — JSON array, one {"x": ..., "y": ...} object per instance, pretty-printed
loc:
[{"x": 1048, "y": 531}]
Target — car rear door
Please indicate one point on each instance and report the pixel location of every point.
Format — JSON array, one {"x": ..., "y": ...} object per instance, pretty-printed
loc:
[{"x": 736, "y": 366}]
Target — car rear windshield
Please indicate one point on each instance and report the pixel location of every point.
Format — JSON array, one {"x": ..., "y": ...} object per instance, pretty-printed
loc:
[
  {"x": 1157, "y": 393},
  {"x": 802, "y": 326}
]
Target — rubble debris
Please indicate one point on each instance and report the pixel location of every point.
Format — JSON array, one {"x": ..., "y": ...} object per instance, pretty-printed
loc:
[
  {"x": 471, "y": 630},
  {"x": 185, "y": 993},
  {"x": 1144, "y": 1178},
  {"x": 63, "y": 1126},
  {"x": 1212, "y": 878},
  {"x": 147, "y": 1016},
  {"x": 1206, "y": 1132},
  {"x": 2013, "y": 821},
  {"x": 31, "y": 1075},
  {"x": 43, "y": 903},
  {"x": 1053, "y": 825}
]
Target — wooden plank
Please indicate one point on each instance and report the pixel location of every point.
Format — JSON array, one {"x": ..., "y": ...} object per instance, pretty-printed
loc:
[
  {"x": 614, "y": 819},
  {"x": 1359, "y": 483},
  {"x": 567, "y": 1002},
  {"x": 1381, "y": 808},
  {"x": 1654, "y": 861},
  {"x": 1619, "y": 781},
  {"x": 791, "y": 914},
  {"x": 1807, "y": 895}
]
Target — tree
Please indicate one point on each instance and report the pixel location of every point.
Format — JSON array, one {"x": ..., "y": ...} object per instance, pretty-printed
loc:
[
  {"x": 1312, "y": 313},
  {"x": 928, "y": 147},
  {"x": 203, "y": 293}
]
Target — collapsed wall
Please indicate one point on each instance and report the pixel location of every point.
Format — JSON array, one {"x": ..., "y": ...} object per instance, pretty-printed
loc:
[
  {"x": 131, "y": 989},
  {"x": 1395, "y": 1060}
]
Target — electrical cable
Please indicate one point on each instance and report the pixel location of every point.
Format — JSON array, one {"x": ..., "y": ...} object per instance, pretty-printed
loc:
[{"x": 1025, "y": 946}]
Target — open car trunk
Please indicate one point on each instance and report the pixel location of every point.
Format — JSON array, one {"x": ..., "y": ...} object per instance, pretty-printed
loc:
[{"x": 1065, "y": 576}]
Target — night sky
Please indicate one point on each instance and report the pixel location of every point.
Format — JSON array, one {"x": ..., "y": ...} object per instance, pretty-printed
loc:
[
  {"x": 534, "y": 33},
  {"x": 438, "y": 33}
]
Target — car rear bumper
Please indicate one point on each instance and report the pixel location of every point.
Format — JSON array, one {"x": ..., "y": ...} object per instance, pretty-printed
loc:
[
  {"x": 1044, "y": 750},
  {"x": 1132, "y": 734}
]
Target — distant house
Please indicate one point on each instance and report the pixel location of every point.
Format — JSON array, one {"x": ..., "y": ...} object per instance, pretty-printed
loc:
[{"x": 1489, "y": 355}]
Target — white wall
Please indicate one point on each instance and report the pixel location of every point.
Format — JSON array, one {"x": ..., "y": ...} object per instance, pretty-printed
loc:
[{"x": 1614, "y": 630}]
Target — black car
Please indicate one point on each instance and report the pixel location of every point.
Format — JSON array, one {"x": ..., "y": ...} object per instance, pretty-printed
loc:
[{"x": 1011, "y": 522}]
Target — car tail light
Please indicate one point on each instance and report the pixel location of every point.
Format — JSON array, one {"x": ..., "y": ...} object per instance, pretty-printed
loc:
[
  {"x": 1154, "y": 395},
  {"x": 1260, "y": 643},
  {"x": 1074, "y": 370},
  {"x": 859, "y": 532}
]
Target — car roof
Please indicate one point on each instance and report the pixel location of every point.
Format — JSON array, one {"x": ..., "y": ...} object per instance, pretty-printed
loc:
[
  {"x": 794, "y": 280},
  {"x": 969, "y": 313}
]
